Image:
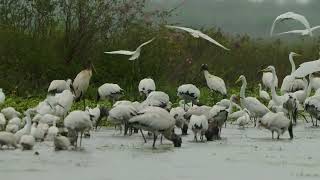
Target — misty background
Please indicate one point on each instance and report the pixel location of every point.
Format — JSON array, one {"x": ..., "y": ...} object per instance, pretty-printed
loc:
[{"x": 253, "y": 17}]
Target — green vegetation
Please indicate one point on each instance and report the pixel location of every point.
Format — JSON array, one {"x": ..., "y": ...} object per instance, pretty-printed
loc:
[{"x": 45, "y": 40}]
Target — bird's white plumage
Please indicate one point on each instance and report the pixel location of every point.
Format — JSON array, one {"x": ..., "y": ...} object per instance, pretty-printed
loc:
[
  {"x": 157, "y": 99},
  {"x": 198, "y": 110},
  {"x": 154, "y": 119},
  {"x": 3, "y": 121},
  {"x": 120, "y": 114},
  {"x": 7, "y": 138},
  {"x": 292, "y": 16},
  {"x": 198, "y": 124},
  {"x": 188, "y": 92},
  {"x": 2, "y": 97},
  {"x": 10, "y": 113},
  {"x": 277, "y": 122},
  {"x": 198, "y": 34},
  {"x": 110, "y": 90},
  {"x": 146, "y": 86},
  {"x": 215, "y": 83},
  {"x": 263, "y": 94},
  {"x": 134, "y": 54},
  {"x": 59, "y": 85},
  {"x": 81, "y": 82},
  {"x": 178, "y": 114},
  {"x": 78, "y": 120},
  {"x": 61, "y": 143},
  {"x": 267, "y": 80},
  {"x": 303, "y": 32},
  {"x": 64, "y": 99},
  {"x": 253, "y": 105},
  {"x": 315, "y": 83},
  {"x": 307, "y": 68}
]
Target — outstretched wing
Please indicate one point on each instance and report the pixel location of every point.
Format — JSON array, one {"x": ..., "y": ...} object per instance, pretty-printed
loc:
[
  {"x": 123, "y": 52},
  {"x": 143, "y": 44},
  {"x": 208, "y": 38},
  {"x": 292, "y": 32},
  {"x": 182, "y": 28}
]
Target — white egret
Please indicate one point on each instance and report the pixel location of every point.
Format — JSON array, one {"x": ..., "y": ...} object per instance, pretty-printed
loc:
[
  {"x": 134, "y": 54},
  {"x": 290, "y": 83},
  {"x": 253, "y": 105},
  {"x": 267, "y": 80},
  {"x": 198, "y": 34},
  {"x": 291, "y": 16},
  {"x": 27, "y": 141},
  {"x": 303, "y": 32},
  {"x": 263, "y": 94}
]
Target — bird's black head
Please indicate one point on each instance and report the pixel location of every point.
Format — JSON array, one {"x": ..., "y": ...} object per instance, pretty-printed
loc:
[
  {"x": 204, "y": 67},
  {"x": 187, "y": 116},
  {"x": 177, "y": 141}
]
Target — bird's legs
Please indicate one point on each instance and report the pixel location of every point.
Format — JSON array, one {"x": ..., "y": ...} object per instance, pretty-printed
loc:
[
  {"x": 161, "y": 139},
  {"x": 145, "y": 141},
  {"x": 272, "y": 134},
  {"x": 154, "y": 140},
  {"x": 81, "y": 133},
  {"x": 84, "y": 102},
  {"x": 195, "y": 138}
]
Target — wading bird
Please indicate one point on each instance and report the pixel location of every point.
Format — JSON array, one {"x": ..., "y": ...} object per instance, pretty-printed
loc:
[
  {"x": 58, "y": 86},
  {"x": 81, "y": 84},
  {"x": 2, "y": 97},
  {"x": 214, "y": 83},
  {"x": 146, "y": 86}
]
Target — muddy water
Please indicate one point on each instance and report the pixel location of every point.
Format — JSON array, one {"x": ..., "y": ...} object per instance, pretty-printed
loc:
[{"x": 246, "y": 153}]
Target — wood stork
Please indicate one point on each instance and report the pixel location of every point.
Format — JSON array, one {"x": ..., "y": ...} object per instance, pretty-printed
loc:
[
  {"x": 189, "y": 93},
  {"x": 312, "y": 106},
  {"x": 110, "y": 91},
  {"x": 181, "y": 122},
  {"x": 10, "y": 113},
  {"x": 290, "y": 83},
  {"x": 158, "y": 121},
  {"x": 61, "y": 143},
  {"x": 214, "y": 83},
  {"x": 27, "y": 141},
  {"x": 81, "y": 84},
  {"x": 197, "y": 110},
  {"x": 58, "y": 86},
  {"x": 146, "y": 86},
  {"x": 64, "y": 102},
  {"x": 253, "y": 105},
  {"x": 78, "y": 122},
  {"x": 2, "y": 96},
  {"x": 158, "y": 99},
  {"x": 218, "y": 116},
  {"x": 263, "y": 94},
  {"x": 198, "y": 125},
  {"x": 120, "y": 115},
  {"x": 13, "y": 125},
  {"x": 8, "y": 139},
  {"x": 276, "y": 122}
]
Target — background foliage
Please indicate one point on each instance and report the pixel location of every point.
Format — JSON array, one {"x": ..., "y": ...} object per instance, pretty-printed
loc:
[{"x": 45, "y": 40}]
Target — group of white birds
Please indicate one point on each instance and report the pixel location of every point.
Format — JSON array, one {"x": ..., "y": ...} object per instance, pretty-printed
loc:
[{"x": 53, "y": 120}]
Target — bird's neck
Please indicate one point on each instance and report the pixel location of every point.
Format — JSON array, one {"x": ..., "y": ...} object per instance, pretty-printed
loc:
[
  {"x": 243, "y": 89},
  {"x": 168, "y": 134},
  {"x": 230, "y": 106},
  {"x": 307, "y": 90},
  {"x": 293, "y": 66},
  {"x": 206, "y": 74},
  {"x": 28, "y": 131},
  {"x": 273, "y": 86}
]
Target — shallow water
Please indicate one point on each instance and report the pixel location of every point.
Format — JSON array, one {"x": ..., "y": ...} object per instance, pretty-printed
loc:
[{"x": 247, "y": 153}]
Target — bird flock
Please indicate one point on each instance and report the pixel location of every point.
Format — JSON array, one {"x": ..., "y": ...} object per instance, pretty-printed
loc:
[{"x": 52, "y": 119}]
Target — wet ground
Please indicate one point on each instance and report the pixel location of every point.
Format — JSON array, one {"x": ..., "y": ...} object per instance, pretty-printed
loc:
[{"x": 249, "y": 153}]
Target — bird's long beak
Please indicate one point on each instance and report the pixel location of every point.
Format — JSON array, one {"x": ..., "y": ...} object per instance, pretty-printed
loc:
[
  {"x": 264, "y": 70},
  {"x": 94, "y": 69},
  {"x": 60, "y": 105},
  {"x": 238, "y": 80}
]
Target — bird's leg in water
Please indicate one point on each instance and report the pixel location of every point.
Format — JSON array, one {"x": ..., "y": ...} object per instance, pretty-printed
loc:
[
  {"x": 125, "y": 129},
  {"x": 161, "y": 139},
  {"x": 195, "y": 138},
  {"x": 154, "y": 140},
  {"x": 84, "y": 103},
  {"x": 272, "y": 134},
  {"x": 145, "y": 141},
  {"x": 81, "y": 138}
]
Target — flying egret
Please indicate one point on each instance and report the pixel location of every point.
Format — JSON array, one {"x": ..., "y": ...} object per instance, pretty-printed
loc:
[
  {"x": 291, "y": 16},
  {"x": 307, "y": 68},
  {"x": 198, "y": 34},
  {"x": 134, "y": 54},
  {"x": 304, "y": 32}
]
